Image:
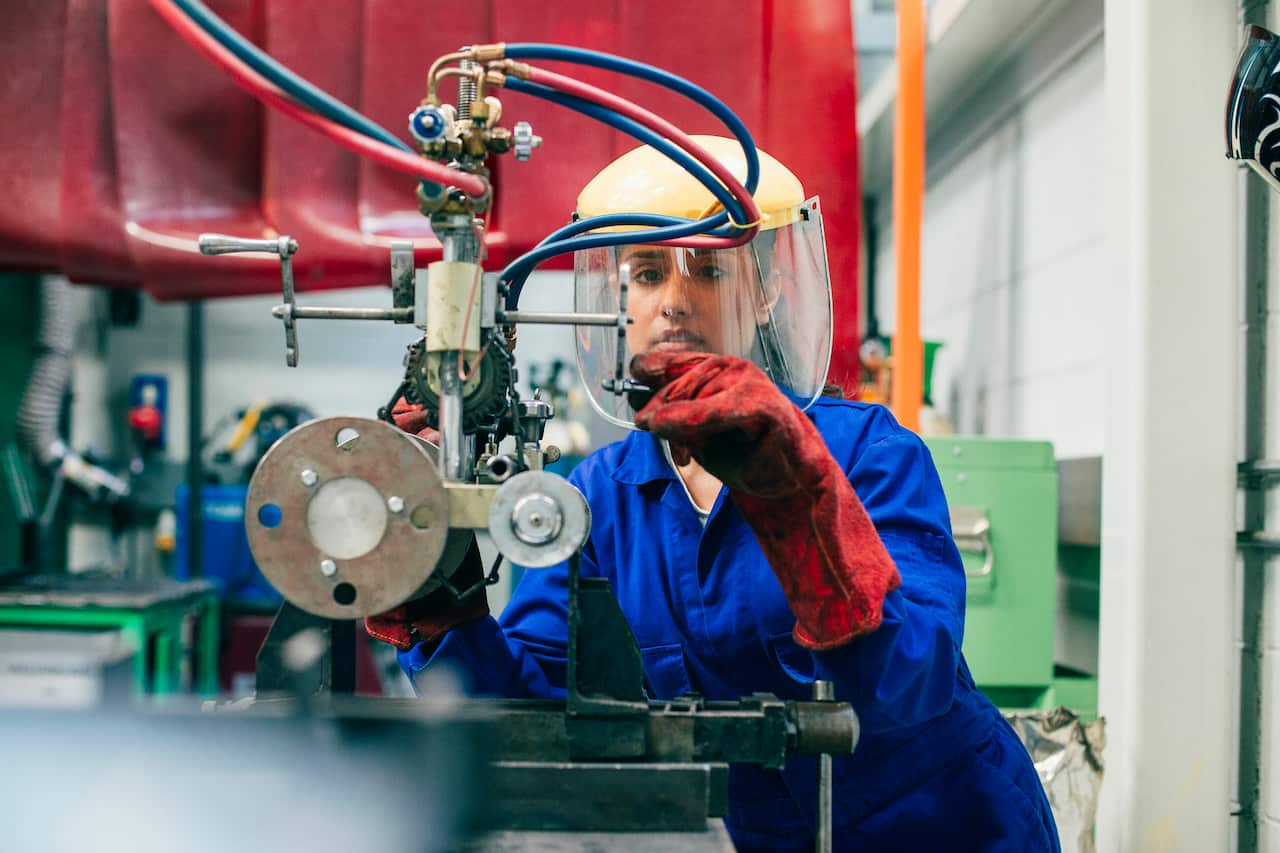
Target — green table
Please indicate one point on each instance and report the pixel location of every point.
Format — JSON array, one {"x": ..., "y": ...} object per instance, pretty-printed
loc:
[{"x": 154, "y": 614}]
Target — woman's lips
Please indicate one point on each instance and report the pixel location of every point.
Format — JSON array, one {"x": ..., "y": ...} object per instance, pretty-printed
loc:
[{"x": 678, "y": 341}]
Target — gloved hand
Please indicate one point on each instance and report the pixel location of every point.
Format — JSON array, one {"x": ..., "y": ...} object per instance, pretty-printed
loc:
[
  {"x": 429, "y": 618},
  {"x": 811, "y": 525},
  {"x": 412, "y": 418}
]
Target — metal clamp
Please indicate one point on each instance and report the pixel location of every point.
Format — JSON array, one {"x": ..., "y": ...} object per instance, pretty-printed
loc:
[
  {"x": 971, "y": 529},
  {"x": 620, "y": 383},
  {"x": 402, "y": 279},
  {"x": 284, "y": 246}
]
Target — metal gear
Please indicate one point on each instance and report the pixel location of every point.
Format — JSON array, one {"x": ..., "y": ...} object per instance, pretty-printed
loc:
[{"x": 484, "y": 394}]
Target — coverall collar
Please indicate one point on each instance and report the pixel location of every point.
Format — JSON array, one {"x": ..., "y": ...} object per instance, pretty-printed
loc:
[{"x": 642, "y": 461}]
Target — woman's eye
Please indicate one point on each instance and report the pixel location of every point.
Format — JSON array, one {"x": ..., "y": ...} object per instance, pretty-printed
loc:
[
  {"x": 650, "y": 275},
  {"x": 712, "y": 272}
]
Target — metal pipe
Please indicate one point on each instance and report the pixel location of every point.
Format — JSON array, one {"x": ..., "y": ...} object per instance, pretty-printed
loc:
[
  {"x": 1255, "y": 474},
  {"x": 824, "y": 691},
  {"x": 908, "y": 212},
  {"x": 315, "y": 312},
  {"x": 458, "y": 243},
  {"x": 452, "y": 467},
  {"x": 566, "y": 318}
]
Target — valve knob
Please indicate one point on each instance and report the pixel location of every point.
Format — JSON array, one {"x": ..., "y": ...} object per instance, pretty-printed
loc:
[
  {"x": 524, "y": 141},
  {"x": 427, "y": 123}
]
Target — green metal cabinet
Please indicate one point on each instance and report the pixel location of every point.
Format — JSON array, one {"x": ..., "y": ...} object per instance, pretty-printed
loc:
[{"x": 1003, "y": 496}]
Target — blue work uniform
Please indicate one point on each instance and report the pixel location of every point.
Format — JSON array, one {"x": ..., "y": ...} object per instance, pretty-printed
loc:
[{"x": 937, "y": 767}]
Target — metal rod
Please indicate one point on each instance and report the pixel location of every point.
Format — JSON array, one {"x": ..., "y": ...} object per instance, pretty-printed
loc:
[
  {"x": 824, "y": 691},
  {"x": 195, "y": 430},
  {"x": 452, "y": 467},
  {"x": 315, "y": 312},
  {"x": 565, "y": 318}
]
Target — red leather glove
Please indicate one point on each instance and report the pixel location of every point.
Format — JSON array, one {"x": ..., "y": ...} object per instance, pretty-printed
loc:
[
  {"x": 429, "y": 618},
  {"x": 412, "y": 418},
  {"x": 811, "y": 525}
]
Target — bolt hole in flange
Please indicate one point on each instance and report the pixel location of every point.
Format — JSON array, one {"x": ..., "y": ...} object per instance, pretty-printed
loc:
[
  {"x": 344, "y": 593},
  {"x": 270, "y": 516},
  {"x": 346, "y": 439}
]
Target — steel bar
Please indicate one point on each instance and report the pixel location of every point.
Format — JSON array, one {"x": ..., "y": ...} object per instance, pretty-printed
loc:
[{"x": 315, "y": 312}]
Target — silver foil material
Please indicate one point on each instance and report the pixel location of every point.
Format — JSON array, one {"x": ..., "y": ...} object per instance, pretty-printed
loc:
[{"x": 1068, "y": 757}]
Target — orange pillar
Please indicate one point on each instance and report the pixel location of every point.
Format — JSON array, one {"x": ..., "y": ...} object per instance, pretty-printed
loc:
[{"x": 908, "y": 212}]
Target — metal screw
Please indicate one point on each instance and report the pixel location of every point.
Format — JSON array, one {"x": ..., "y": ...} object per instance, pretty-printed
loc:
[
  {"x": 309, "y": 478},
  {"x": 535, "y": 520},
  {"x": 395, "y": 503},
  {"x": 328, "y": 568}
]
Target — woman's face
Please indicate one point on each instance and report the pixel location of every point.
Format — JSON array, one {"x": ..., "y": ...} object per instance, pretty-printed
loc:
[{"x": 693, "y": 300}]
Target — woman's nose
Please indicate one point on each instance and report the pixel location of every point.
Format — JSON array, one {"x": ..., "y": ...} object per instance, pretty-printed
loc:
[{"x": 675, "y": 297}]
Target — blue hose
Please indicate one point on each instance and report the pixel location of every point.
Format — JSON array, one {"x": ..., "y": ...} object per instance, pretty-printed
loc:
[
  {"x": 301, "y": 90},
  {"x": 632, "y": 68},
  {"x": 517, "y": 272},
  {"x": 664, "y": 227},
  {"x": 640, "y": 132}
]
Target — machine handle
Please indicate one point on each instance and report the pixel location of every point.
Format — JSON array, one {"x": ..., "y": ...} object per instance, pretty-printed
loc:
[
  {"x": 971, "y": 529},
  {"x": 223, "y": 244}
]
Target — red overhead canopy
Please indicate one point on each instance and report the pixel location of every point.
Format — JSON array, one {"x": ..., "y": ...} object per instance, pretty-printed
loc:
[{"x": 121, "y": 144}]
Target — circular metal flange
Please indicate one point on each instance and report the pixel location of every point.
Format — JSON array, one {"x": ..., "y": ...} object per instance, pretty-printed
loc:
[
  {"x": 328, "y": 541},
  {"x": 538, "y": 519}
]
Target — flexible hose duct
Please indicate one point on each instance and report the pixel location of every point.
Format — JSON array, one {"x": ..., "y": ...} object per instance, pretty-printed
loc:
[{"x": 42, "y": 400}]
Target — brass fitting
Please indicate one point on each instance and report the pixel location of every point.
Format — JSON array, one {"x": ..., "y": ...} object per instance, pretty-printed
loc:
[
  {"x": 499, "y": 140},
  {"x": 516, "y": 69},
  {"x": 487, "y": 52}
]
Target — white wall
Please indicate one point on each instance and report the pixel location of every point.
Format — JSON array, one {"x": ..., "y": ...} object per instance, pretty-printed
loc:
[
  {"x": 1011, "y": 261},
  {"x": 1057, "y": 325}
]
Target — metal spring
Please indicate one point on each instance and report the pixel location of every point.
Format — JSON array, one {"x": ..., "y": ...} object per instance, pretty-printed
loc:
[{"x": 466, "y": 89}]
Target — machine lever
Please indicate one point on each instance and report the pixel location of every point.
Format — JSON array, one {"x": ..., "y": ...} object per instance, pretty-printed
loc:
[
  {"x": 285, "y": 247},
  {"x": 223, "y": 244}
]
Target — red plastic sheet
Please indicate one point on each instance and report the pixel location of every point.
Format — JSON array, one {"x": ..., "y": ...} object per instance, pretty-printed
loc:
[{"x": 121, "y": 144}]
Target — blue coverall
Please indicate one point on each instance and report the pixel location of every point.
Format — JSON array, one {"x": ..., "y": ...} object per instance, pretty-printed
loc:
[{"x": 937, "y": 767}]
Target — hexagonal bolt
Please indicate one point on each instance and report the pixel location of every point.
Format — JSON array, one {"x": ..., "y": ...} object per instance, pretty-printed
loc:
[
  {"x": 309, "y": 478},
  {"x": 395, "y": 503},
  {"x": 328, "y": 568}
]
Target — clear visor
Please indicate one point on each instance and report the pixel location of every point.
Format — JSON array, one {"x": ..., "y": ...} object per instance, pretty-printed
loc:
[{"x": 768, "y": 301}]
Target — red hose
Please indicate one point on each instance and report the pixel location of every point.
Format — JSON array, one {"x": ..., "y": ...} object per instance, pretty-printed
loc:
[
  {"x": 265, "y": 91},
  {"x": 661, "y": 126}
]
